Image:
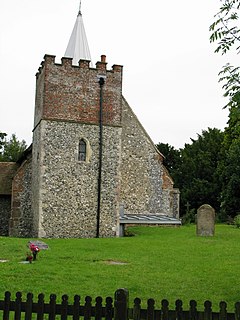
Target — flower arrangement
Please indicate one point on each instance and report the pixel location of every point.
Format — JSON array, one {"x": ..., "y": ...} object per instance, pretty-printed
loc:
[
  {"x": 32, "y": 255},
  {"x": 34, "y": 249}
]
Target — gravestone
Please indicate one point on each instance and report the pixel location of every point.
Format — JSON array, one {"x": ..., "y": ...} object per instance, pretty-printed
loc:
[{"x": 205, "y": 221}]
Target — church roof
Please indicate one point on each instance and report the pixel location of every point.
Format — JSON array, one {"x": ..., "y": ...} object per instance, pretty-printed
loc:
[{"x": 78, "y": 46}]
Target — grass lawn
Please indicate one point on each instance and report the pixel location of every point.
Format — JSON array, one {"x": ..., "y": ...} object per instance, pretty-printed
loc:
[{"x": 161, "y": 263}]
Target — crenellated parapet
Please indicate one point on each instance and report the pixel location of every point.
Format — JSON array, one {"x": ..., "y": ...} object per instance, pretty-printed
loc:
[
  {"x": 83, "y": 64},
  {"x": 66, "y": 92}
]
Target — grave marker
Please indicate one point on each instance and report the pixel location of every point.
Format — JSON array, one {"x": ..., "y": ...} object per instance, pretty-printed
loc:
[{"x": 205, "y": 221}]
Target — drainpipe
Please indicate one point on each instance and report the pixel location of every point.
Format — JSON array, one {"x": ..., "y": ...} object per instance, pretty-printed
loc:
[{"x": 101, "y": 82}]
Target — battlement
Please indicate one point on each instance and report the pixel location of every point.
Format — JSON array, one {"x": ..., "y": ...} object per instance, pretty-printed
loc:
[
  {"x": 101, "y": 66},
  {"x": 65, "y": 92}
]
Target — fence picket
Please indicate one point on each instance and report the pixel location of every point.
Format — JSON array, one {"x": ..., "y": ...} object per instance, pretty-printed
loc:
[
  {"x": 64, "y": 307},
  {"x": 6, "y": 305},
  {"x": 208, "y": 310},
  {"x": 98, "y": 308},
  {"x": 193, "y": 310},
  {"x": 29, "y": 305},
  {"x": 150, "y": 309},
  {"x": 18, "y": 306},
  {"x": 52, "y": 307},
  {"x": 40, "y": 307},
  {"x": 223, "y": 311},
  {"x": 109, "y": 309},
  {"x": 76, "y": 307},
  {"x": 137, "y": 309},
  {"x": 87, "y": 308},
  {"x": 179, "y": 309},
  {"x": 165, "y": 309}
]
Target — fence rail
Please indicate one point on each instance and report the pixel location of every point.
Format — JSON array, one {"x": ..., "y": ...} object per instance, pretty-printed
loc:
[{"x": 111, "y": 309}]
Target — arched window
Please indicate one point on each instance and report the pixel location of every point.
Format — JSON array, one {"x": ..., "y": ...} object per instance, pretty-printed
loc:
[{"x": 82, "y": 150}]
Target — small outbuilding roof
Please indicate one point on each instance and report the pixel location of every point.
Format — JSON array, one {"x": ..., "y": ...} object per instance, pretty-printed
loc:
[{"x": 149, "y": 219}]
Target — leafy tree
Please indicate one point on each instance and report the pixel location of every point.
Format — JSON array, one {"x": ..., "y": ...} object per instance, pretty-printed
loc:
[
  {"x": 172, "y": 157},
  {"x": 195, "y": 170},
  {"x": 230, "y": 180},
  {"x": 12, "y": 149},
  {"x": 225, "y": 31}
]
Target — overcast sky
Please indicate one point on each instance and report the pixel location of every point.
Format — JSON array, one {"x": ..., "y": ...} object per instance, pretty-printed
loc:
[{"x": 170, "y": 69}]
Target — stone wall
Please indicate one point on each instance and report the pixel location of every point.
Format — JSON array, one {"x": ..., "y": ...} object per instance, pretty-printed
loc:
[
  {"x": 5, "y": 209},
  {"x": 7, "y": 172},
  {"x": 69, "y": 188},
  {"x": 21, "y": 212},
  {"x": 145, "y": 184}
]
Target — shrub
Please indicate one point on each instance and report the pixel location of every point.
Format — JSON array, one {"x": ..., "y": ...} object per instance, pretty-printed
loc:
[
  {"x": 189, "y": 217},
  {"x": 236, "y": 221}
]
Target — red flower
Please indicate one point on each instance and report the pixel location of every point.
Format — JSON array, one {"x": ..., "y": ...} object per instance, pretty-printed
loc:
[{"x": 33, "y": 247}]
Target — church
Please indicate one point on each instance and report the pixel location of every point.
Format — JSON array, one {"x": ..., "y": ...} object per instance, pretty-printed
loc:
[{"x": 92, "y": 168}]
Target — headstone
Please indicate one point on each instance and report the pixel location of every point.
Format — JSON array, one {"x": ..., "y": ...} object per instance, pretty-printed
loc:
[{"x": 205, "y": 221}]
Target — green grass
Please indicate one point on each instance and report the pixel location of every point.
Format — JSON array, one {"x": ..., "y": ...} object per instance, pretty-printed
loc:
[{"x": 162, "y": 263}]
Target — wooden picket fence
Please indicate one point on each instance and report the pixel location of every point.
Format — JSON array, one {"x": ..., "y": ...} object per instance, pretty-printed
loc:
[{"x": 117, "y": 309}]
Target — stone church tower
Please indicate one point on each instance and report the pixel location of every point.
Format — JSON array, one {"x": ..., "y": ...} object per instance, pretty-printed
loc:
[{"x": 90, "y": 158}]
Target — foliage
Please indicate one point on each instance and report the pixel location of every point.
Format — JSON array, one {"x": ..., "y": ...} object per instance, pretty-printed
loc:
[
  {"x": 195, "y": 171},
  {"x": 172, "y": 157},
  {"x": 236, "y": 221},
  {"x": 189, "y": 217},
  {"x": 197, "y": 176},
  {"x": 162, "y": 263},
  {"x": 230, "y": 179},
  {"x": 231, "y": 75},
  {"x": 2, "y": 138},
  {"x": 225, "y": 31},
  {"x": 12, "y": 149}
]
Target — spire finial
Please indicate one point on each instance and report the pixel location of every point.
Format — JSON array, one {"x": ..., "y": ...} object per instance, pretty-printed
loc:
[{"x": 80, "y": 5}]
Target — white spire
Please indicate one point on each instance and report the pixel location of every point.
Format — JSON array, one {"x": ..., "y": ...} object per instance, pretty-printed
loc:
[{"x": 78, "y": 46}]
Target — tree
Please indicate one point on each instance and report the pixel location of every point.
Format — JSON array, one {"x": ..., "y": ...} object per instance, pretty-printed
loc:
[
  {"x": 230, "y": 196},
  {"x": 172, "y": 157},
  {"x": 227, "y": 34},
  {"x": 12, "y": 149},
  {"x": 195, "y": 169},
  {"x": 225, "y": 31},
  {"x": 198, "y": 174}
]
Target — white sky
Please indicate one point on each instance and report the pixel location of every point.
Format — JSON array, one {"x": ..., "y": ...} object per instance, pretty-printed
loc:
[{"x": 170, "y": 69}]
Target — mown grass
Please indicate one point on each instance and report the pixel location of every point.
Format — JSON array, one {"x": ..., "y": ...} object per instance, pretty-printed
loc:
[{"x": 162, "y": 263}]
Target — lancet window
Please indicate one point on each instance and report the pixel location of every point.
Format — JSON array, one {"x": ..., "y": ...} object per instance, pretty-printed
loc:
[{"x": 82, "y": 150}]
